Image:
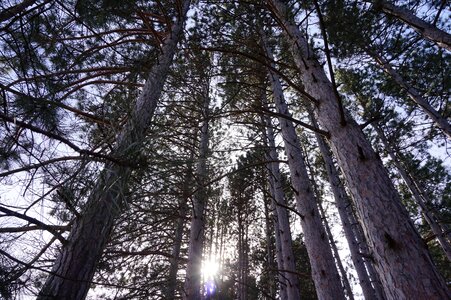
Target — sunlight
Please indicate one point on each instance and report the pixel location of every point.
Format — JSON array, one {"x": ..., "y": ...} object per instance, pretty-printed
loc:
[{"x": 210, "y": 268}]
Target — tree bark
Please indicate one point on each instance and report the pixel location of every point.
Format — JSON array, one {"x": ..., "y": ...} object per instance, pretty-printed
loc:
[
  {"x": 402, "y": 259},
  {"x": 324, "y": 271},
  {"x": 269, "y": 251},
  {"x": 192, "y": 286},
  {"x": 279, "y": 203},
  {"x": 441, "y": 234},
  {"x": 426, "y": 30},
  {"x": 74, "y": 268},
  {"x": 341, "y": 269},
  {"x": 440, "y": 121},
  {"x": 178, "y": 236},
  {"x": 344, "y": 210}
]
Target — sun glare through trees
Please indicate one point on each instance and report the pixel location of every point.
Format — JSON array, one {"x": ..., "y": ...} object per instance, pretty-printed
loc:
[{"x": 225, "y": 149}]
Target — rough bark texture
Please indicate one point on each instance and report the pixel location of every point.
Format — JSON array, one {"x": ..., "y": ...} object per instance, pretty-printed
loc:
[
  {"x": 341, "y": 269},
  {"x": 401, "y": 257},
  {"x": 74, "y": 268},
  {"x": 440, "y": 121},
  {"x": 324, "y": 271},
  {"x": 279, "y": 252},
  {"x": 343, "y": 205},
  {"x": 279, "y": 256},
  {"x": 192, "y": 286},
  {"x": 441, "y": 234},
  {"x": 426, "y": 30},
  {"x": 275, "y": 180}
]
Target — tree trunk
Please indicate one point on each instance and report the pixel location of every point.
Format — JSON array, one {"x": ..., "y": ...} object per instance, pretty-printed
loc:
[
  {"x": 193, "y": 269},
  {"x": 402, "y": 259},
  {"x": 341, "y": 269},
  {"x": 178, "y": 236},
  {"x": 430, "y": 217},
  {"x": 324, "y": 271},
  {"x": 440, "y": 121},
  {"x": 74, "y": 268},
  {"x": 426, "y": 30},
  {"x": 279, "y": 255},
  {"x": 275, "y": 180},
  {"x": 343, "y": 203},
  {"x": 269, "y": 252}
]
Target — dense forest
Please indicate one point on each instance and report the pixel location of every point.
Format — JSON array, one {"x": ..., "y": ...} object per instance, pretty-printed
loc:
[{"x": 208, "y": 149}]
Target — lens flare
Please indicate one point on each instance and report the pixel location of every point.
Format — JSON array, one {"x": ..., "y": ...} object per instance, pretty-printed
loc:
[{"x": 210, "y": 268}]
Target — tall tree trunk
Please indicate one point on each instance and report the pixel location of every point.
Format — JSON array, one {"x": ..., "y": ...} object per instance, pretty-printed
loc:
[
  {"x": 426, "y": 30},
  {"x": 242, "y": 256},
  {"x": 193, "y": 269},
  {"x": 402, "y": 259},
  {"x": 269, "y": 252},
  {"x": 441, "y": 234},
  {"x": 279, "y": 255},
  {"x": 341, "y": 269},
  {"x": 178, "y": 236},
  {"x": 440, "y": 121},
  {"x": 275, "y": 180},
  {"x": 344, "y": 210},
  {"x": 324, "y": 271},
  {"x": 74, "y": 268}
]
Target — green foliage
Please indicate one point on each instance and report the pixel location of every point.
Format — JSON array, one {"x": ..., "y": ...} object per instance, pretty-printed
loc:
[{"x": 308, "y": 290}]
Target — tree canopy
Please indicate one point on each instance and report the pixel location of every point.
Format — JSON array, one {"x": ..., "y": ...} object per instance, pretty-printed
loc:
[{"x": 261, "y": 149}]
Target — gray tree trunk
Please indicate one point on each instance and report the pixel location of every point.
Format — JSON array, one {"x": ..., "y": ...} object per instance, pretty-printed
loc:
[
  {"x": 178, "y": 236},
  {"x": 275, "y": 180},
  {"x": 192, "y": 286},
  {"x": 426, "y": 30},
  {"x": 344, "y": 210},
  {"x": 269, "y": 252},
  {"x": 440, "y": 121},
  {"x": 74, "y": 268},
  {"x": 341, "y": 269},
  {"x": 401, "y": 257},
  {"x": 279, "y": 251},
  {"x": 324, "y": 271}
]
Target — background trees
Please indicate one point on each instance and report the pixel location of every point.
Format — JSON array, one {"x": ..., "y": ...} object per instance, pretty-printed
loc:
[{"x": 105, "y": 118}]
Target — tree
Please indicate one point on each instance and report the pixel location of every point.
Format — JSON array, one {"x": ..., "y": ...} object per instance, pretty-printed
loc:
[
  {"x": 325, "y": 275},
  {"x": 428, "y": 31},
  {"x": 75, "y": 266},
  {"x": 136, "y": 149},
  {"x": 390, "y": 234}
]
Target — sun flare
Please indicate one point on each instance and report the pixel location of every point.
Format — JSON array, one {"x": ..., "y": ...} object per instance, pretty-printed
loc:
[{"x": 210, "y": 268}]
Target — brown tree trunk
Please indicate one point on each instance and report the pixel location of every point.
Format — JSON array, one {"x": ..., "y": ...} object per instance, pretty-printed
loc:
[
  {"x": 74, "y": 268},
  {"x": 402, "y": 259}
]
